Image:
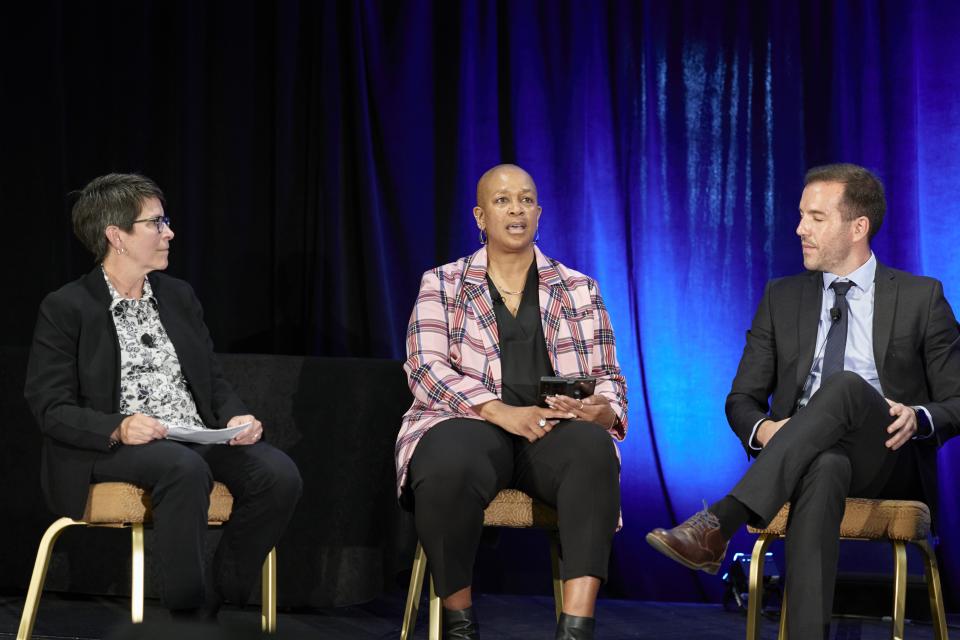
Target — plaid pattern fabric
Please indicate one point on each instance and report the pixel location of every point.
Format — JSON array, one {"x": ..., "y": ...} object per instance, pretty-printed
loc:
[{"x": 453, "y": 347}]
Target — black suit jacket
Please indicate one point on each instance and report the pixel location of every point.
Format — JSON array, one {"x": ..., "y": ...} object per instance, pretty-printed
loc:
[
  {"x": 73, "y": 378},
  {"x": 915, "y": 346}
]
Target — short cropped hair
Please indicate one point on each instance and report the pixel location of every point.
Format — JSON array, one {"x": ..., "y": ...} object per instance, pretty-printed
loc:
[
  {"x": 113, "y": 199},
  {"x": 862, "y": 193}
]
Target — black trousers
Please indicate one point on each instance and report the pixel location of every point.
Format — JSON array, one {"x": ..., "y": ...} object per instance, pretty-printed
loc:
[
  {"x": 265, "y": 484},
  {"x": 461, "y": 464},
  {"x": 831, "y": 449}
]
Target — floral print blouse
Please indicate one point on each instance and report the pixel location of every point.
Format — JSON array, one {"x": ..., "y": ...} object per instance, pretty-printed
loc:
[{"x": 151, "y": 381}]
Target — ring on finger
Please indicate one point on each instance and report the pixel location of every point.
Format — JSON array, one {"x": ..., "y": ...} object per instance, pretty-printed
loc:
[
  {"x": 542, "y": 422},
  {"x": 581, "y": 404}
]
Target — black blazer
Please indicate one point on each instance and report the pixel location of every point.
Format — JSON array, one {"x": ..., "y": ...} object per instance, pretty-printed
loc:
[
  {"x": 916, "y": 346},
  {"x": 73, "y": 378}
]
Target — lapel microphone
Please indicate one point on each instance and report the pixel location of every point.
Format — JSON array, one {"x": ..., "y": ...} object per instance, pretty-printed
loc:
[
  {"x": 835, "y": 314},
  {"x": 148, "y": 341}
]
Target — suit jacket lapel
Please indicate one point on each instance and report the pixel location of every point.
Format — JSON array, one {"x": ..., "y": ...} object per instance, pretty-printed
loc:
[
  {"x": 554, "y": 298},
  {"x": 476, "y": 294},
  {"x": 808, "y": 321},
  {"x": 108, "y": 360},
  {"x": 884, "y": 308},
  {"x": 185, "y": 341}
]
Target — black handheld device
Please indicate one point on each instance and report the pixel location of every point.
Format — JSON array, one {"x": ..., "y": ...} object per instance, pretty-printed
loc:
[{"x": 578, "y": 388}]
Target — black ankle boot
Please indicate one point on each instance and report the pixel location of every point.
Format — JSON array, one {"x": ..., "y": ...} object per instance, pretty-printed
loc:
[
  {"x": 574, "y": 628},
  {"x": 460, "y": 625}
]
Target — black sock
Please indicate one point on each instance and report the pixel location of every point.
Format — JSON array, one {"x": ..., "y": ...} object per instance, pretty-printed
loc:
[{"x": 732, "y": 514}]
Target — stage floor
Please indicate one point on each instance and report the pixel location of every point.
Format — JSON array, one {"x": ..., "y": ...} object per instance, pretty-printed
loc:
[{"x": 515, "y": 617}]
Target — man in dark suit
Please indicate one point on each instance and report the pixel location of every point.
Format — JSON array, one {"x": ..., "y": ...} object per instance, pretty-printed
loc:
[
  {"x": 121, "y": 356},
  {"x": 849, "y": 381}
]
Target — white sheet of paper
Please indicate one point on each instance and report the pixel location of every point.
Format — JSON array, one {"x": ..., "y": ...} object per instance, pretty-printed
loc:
[{"x": 205, "y": 436}]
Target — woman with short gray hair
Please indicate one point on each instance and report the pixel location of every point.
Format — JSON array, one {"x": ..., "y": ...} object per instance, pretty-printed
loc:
[{"x": 125, "y": 386}]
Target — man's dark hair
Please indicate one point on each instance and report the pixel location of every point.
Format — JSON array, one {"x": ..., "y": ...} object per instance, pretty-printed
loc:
[
  {"x": 862, "y": 193},
  {"x": 113, "y": 199}
]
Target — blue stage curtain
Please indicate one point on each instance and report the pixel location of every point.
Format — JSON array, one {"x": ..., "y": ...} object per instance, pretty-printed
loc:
[
  {"x": 668, "y": 141},
  {"x": 319, "y": 156},
  {"x": 881, "y": 88}
]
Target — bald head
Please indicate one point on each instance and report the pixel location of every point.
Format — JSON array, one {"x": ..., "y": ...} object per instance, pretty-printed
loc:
[
  {"x": 495, "y": 176},
  {"x": 507, "y": 212}
]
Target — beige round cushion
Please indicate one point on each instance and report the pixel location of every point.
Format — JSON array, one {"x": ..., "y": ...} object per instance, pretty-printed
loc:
[
  {"x": 123, "y": 503},
  {"x": 870, "y": 520},
  {"x": 513, "y": 508}
]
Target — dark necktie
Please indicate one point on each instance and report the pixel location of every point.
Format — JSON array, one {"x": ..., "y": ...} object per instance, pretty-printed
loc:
[{"x": 837, "y": 336}]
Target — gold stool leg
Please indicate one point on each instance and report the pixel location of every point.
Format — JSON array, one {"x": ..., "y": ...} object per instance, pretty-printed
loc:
[
  {"x": 136, "y": 572},
  {"x": 268, "y": 593},
  {"x": 899, "y": 588},
  {"x": 755, "y": 594},
  {"x": 782, "y": 635},
  {"x": 412, "y": 607},
  {"x": 39, "y": 575},
  {"x": 436, "y": 613},
  {"x": 555, "y": 567},
  {"x": 932, "y": 572}
]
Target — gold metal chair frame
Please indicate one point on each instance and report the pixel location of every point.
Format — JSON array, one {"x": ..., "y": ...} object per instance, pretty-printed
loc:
[
  {"x": 931, "y": 575},
  {"x": 540, "y": 516},
  {"x": 268, "y": 611}
]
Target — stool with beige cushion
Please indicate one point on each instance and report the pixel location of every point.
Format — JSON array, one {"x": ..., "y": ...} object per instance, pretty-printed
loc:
[
  {"x": 899, "y": 521},
  {"x": 510, "y": 508},
  {"x": 118, "y": 505}
]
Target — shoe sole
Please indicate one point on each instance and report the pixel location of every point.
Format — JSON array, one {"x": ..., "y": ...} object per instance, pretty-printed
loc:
[{"x": 709, "y": 567}]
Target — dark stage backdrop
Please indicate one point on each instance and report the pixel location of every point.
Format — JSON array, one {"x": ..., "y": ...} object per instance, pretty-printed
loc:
[{"x": 318, "y": 156}]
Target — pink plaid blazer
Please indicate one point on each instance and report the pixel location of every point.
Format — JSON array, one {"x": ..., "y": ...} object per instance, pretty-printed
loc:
[{"x": 453, "y": 348}]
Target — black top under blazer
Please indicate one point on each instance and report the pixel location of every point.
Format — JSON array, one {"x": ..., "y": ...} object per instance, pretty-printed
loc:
[
  {"x": 916, "y": 346},
  {"x": 73, "y": 378}
]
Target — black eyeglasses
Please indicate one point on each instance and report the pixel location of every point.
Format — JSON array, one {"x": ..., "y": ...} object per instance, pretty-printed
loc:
[{"x": 159, "y": 221}]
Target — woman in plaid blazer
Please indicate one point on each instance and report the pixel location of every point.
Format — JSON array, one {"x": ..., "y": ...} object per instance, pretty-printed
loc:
[{"x": 483, "y": 331}]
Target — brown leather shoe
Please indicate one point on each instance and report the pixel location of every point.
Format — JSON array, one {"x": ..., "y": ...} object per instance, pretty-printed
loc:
[{"x": 696, "y": 543}]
